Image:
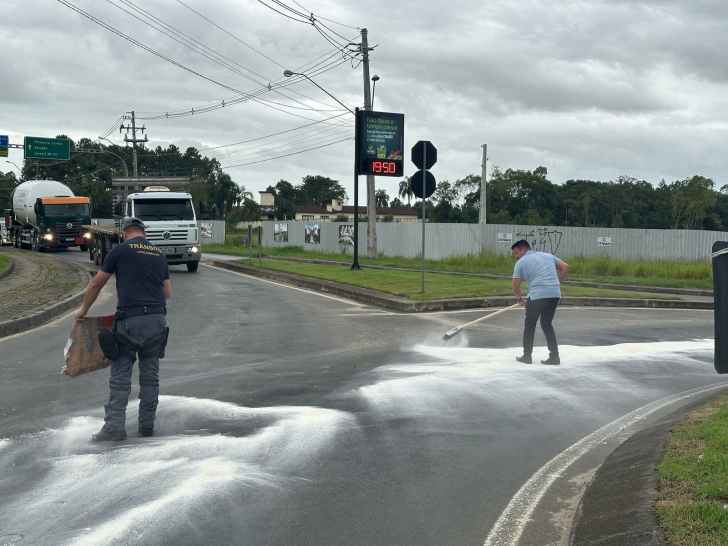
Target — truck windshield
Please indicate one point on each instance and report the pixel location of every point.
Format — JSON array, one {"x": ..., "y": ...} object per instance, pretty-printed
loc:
[
  {"x": 164, "y": 209},
  {"x": 72, "y": 209}
]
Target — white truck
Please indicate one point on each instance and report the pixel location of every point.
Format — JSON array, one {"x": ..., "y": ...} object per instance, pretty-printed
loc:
[{"x": 170, "y": 221}]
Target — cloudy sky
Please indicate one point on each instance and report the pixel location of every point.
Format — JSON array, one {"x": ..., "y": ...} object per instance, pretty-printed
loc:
[{"x": 588, "y": 89}]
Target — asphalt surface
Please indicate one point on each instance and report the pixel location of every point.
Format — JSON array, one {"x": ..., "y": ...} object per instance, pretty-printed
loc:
[{"x": 297, "y": 418}]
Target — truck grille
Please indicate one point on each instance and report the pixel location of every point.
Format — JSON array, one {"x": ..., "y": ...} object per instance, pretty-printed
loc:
[
  {"x": 62, "y": 229},
  {"x": 158, "y": 235}
]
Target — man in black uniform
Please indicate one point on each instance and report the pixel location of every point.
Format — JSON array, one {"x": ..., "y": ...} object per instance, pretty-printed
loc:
[{"x": 142, "y": 286}]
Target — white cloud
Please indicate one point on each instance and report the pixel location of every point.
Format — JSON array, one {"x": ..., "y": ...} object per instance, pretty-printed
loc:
[{"x": 590, "y": 89}]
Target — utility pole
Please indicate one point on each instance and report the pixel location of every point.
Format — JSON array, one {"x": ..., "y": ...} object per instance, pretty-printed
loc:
[
  {"x": 483, "y": 219},
  {"x": 133, "y": 139},
  {"x": 371, "y": 189}
]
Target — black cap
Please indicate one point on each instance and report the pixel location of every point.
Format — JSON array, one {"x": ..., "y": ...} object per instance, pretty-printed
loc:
[{"x": 133, "y": 222}]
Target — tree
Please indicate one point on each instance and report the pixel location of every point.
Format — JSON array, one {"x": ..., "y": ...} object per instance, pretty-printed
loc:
[
  {"x": 396, "y": 203},
  {"x": 8, "y": 181},
  {"x": 250, "y": 211},
  {"x": 405, "y": 189},
  {"x": 691, "y": 199},
  {"x": 224, "y": 193},
  {"x": 382, "y": 199},
  {"x": 319, "y": 190}
]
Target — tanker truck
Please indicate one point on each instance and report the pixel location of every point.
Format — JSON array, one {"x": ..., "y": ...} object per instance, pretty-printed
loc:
[
  {"x": 46, "y": 215},
  {"x": 170, "y": 221}
]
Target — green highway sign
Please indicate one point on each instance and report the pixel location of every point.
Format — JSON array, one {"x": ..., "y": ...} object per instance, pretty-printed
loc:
[
  {"x": 3, "y": 145},
  {"x": 47, "y": 148}
]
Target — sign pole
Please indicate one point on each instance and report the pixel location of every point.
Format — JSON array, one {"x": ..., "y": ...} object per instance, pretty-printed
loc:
[
  {"x": 424, "y": 184},
  {"x": 356, "y": 265}
]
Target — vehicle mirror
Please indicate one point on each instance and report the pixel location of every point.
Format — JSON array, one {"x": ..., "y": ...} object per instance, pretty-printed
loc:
[
  {"x": 203, "y": 207},
  {"x": 36, "y": 208},
  {"x": 117, "y": 209}
]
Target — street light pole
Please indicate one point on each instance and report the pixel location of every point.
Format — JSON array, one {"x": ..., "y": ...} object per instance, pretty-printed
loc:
[
  {"x": 355, "y": 265},
  {"x": 371, "y": 189}
]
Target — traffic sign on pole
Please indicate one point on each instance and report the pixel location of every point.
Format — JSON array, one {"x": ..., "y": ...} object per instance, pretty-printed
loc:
[
  {"x": 417, "y": 185},
  {"x": 3, "y": 145},
  {"x": 47, "y": 148},
  {"x": 418, "y": 151}
]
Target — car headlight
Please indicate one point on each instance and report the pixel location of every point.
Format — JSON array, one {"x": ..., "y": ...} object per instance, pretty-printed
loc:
[
  {"x": 48, "y": 236},
  {"x": 87, "y": 235},
  {"x": 192, "y": 249}
]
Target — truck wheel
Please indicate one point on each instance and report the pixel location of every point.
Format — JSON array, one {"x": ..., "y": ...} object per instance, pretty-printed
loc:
[
  {"x": 192, "y": 266},
  {"x": 83, "y": 248},
  {"x": 97, "y": 253},
  {"x": 36, "y": 244},
  {"x": 16, "y": 240},
  {"x": 91, "y": 252}
]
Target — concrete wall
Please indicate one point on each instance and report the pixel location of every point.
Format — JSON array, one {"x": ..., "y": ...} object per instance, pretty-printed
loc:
[{"x": 445, "y": 240}]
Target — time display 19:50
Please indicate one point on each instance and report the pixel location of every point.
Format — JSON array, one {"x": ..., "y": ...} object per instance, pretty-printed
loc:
[{"x": 383, "y": 167}]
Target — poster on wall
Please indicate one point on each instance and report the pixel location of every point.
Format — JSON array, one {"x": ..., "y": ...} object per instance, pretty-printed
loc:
[
  {"x": 206, "y": 230},
  {"x": 280, "y": 233},
  {"x": 604, "y": 241},
  {"x": 505, "y": 237},
  {"x": 346, "y": 234},
  {"x": 313, "y": 233}
]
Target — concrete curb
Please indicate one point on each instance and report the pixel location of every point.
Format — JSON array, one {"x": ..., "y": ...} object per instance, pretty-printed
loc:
[
  {"x": 23, "y": 324},
  {"x": 617, "y": 507},
  {"x": 584, "y": 284},
  {"x": 9, "y": 269},
  {"x": 405, "y": 305}
]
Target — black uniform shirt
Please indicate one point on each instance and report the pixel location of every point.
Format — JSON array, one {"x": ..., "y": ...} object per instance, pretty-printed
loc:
[{"x": 141, "y": 270}]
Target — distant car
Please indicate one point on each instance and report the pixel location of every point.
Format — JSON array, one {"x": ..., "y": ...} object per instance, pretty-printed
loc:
[{"x": 5, "y": 237}]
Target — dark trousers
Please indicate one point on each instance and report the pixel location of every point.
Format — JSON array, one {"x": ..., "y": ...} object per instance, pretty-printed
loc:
[
  {"x": 544, "y": 309},
  {"x": 135, "y": 332}
]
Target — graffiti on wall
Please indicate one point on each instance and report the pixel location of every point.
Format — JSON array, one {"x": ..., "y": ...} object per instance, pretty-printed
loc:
[{"x": 542, "y": 239}]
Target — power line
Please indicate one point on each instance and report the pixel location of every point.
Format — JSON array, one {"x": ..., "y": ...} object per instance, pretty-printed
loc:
[{"x": 286, "y": 155}]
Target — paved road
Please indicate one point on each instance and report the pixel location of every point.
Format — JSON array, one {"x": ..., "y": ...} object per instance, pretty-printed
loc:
[{"x": 296, "y": 418}]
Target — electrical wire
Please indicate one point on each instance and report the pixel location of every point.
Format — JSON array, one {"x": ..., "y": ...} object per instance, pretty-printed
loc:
[{"x": 286, "y": 155}]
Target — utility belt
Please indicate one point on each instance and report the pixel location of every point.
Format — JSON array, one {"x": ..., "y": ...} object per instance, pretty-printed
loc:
[
  {"x": 114, "y": 348},
  {"x": 127, "y": 312}
]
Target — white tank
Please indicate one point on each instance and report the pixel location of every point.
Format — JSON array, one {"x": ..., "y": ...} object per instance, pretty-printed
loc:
[{"x": 25, "y": 195}]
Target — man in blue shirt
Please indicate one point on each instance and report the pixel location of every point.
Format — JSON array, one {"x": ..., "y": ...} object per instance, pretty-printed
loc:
[
  {"x": 544, "y": 274},
  {"x": 142, "y": 286}
]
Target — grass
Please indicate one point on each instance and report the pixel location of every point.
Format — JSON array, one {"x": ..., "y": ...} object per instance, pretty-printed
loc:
[
  {"x": 664, "y": 273},
  {"x": 407, "y": 284},
  {"x": 4, "y": 261},
  {"x": 693, "y": 479}
]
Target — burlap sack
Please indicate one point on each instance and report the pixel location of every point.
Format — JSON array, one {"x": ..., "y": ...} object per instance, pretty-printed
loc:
[{"x": 83, "y": 353}]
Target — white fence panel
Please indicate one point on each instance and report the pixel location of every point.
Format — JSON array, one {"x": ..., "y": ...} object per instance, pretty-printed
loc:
[{"x": 445, "y": 240}]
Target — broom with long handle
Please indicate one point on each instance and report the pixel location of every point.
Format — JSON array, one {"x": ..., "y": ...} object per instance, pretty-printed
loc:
[{"x": 455, "y": 330}]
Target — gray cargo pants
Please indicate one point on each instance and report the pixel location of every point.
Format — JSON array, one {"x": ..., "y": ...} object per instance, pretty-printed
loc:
[{"x": 135, "y": 333}]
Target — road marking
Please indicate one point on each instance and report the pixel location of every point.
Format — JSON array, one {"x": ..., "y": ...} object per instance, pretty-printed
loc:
[
  {"x": 509, "y": 527},
  {"x": 283, "y": 285}
]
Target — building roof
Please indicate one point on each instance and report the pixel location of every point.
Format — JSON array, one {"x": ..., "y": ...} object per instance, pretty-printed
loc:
[{"x": 399, "y": 211}]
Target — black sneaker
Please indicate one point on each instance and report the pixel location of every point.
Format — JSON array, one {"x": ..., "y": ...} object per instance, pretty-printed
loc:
[
  {"x": 526, "y": 359},
  {"x": 552, "y": 360},
  {"x": 146, "y": 431},
  {"x": 108, "y": 434}
]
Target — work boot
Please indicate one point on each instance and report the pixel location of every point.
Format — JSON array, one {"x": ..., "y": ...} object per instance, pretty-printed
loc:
[
  {"x": 108, "y": 434},
  {"x": 526, "y": 359},
  {"x": 552, "y": 360},
  {"x": 146, "y": 431}
]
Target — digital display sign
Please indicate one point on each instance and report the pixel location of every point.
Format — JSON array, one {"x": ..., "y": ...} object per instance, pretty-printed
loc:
[{"x": 381, "y": 143}]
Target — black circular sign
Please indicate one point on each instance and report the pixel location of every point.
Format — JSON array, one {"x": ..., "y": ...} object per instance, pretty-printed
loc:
[{"x": 417, "y": 184}]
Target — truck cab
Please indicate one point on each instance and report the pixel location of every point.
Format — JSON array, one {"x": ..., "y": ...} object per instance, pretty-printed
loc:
[{"x": 171, "y": 223}]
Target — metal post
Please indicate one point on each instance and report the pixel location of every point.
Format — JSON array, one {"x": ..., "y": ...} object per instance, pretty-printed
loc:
[
  {"x": 250, "y": 243},
  {"x": 483, "y": 219},
  {"x": 260, "y": 246},
  {"x": 356, "y": 265},
  {"x": 134, "y": 144},
  {"x": 371, "y": 189},
  {"x": 424, "y": 192}
]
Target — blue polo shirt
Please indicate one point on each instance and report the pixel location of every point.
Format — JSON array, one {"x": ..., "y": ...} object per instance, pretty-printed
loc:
[{"x": 539, "y": 271}]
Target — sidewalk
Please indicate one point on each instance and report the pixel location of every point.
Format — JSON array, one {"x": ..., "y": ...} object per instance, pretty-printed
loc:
[{"x": 35, "y": 288}]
